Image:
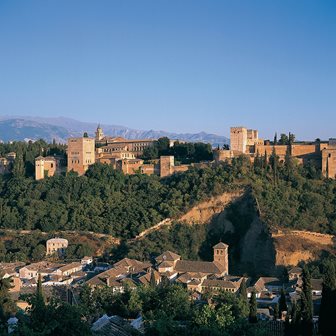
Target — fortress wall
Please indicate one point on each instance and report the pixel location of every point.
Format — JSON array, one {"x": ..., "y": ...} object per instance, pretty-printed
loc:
[{"x": 298, "y": 150}]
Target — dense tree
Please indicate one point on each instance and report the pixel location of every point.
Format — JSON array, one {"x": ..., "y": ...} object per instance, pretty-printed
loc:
[
  {"x": 7, "y": 305},
  {"x": 282, "y": 303},
  {"x": 243, "y": 298},
  {"x": 253, "y": 308},
  {"x": 327, "y": 316},
  {"x": 276, "y": 311},
  {"x": 306, "y": 303}
]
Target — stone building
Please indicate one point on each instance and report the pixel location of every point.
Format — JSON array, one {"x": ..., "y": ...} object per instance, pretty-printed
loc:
[
  {"x": 171, "y": 262},
  {"x": 108, "y": 144},
  {"x": 81, "y": 154},
  {"x": 244, "y": 141},
  {"x": 45, "y": 167},
  {"x": 56, "y": 245},
  {"x": 241, "y": 139},
  {"x": 6, "y": 163},
  {"x": 329, "y": 160}
]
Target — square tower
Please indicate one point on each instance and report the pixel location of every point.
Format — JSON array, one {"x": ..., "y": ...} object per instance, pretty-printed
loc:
[
  {"x": 221, "y": 256},
  {"x": 45, "y": 167},
  {"x": 238, "y": 139},
  {"x": 81, "y": 154},
  {"x": 166, "y": 165}
]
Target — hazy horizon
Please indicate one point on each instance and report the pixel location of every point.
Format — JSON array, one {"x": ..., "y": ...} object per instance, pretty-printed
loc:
[{"x": 178, "y": 66}]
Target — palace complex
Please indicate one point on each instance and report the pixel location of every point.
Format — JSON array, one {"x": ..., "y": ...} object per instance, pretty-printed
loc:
[{"x": 126, "y": 155}]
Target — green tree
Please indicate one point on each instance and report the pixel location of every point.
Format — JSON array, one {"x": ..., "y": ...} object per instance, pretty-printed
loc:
[
  {"x": 243, "y": 298},
  {"x": 282, "y": 302},
  {"x": 283, "y": 139},
  {"x": 306, "y": 303},
  {"x": 215, "y": 319},
  {"x": 38, "y": 252},
  {"x": 253, "y": 308},
  {"x": 7, "y": 306},
  {"x": 327, "y": 316},
  {"x": 276, "y": 312},
  {"x": 18, "y": 167}
]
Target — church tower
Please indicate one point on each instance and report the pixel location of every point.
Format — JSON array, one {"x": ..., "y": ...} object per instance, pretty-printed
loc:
[
  {"x": 221, "y": 256},
  {"x": 99, "y": 133}
]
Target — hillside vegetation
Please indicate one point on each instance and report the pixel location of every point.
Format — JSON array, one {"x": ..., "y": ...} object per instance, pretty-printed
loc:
[{"x": 106, "y": 201}]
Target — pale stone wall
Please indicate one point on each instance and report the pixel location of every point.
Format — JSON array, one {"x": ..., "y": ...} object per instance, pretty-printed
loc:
[
  {"x": 129, "y": 166},
  {"x": 56, "y": 245},
  {"x": 166, "y": 165},
  {"x": 238, "y": 139},
  {"x": 45, "y": 167},
  {"x": 329, "y": 163}
]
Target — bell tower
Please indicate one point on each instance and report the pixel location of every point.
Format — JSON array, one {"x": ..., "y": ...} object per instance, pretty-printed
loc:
[
  {"x": 221, "y": 256},
  {"x": 99, "y": 133}
]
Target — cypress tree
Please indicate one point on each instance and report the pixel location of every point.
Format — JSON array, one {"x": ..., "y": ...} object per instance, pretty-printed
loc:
[
  {"x": 39, "y": 320},
  {"x": 306, "y": 303},
  {"x": 276, "y": 312},
  {"x": 19, "y": 166},
  {"x": 282, "y": 302},
  {"x": 274, "y": 162},
  {"x": 327, "y": 316},
  {"x": 253, "y": 308},
  {"x": 295, "y": 320},
  {"x": 152, "y": 280},
  {"x": 243, "y": 297}
]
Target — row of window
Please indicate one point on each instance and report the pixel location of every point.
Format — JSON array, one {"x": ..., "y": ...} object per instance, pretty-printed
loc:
[{"x": 219, "y": 288}]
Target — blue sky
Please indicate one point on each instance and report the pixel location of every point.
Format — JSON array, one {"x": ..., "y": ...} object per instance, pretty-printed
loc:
[{"x": 177, "y": 65}]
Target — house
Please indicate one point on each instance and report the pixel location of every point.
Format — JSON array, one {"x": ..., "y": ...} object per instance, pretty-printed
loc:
[
  {"x": 220, "y": 285},
  {"x": 87, "y": 261},
  {"x": 68, "y": 269},
  {"x": 57, "y": 246},
  {"x": 317, "y": 285},
  {"x": 294, "y": 273},
  {"x": 271, "y": 284},
  {"x": 32, "y": 271}
]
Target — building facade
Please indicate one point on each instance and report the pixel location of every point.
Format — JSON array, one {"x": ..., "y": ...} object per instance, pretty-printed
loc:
[
  {"x": 81, "y": 154},
  {"x": 45, "y": 167},
  {"x": 57, "y": 246}
]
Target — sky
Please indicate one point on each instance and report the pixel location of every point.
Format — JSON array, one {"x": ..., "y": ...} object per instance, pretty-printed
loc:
[{"x": 174, "y": 65}]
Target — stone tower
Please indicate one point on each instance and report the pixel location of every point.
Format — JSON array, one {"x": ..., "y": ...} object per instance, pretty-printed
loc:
[
  {"x": 81, "y": 154},
  {"x": 238, "y": 139},
  {"x": 221, "y": 256},
  {"x": 99, "y": 133}
]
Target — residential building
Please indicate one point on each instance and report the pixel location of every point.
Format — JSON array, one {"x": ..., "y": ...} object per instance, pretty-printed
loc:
[{"x": 57, "y": 246}]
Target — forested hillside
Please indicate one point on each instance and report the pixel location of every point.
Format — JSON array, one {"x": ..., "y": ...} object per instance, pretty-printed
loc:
[{"x": 107, "y": 201}]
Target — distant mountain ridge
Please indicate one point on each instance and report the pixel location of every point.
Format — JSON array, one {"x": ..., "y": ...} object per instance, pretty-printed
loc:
[{"x": 19, "y": 128}]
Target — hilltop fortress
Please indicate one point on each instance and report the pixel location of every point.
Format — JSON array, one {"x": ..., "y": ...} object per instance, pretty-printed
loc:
[
  {"x": 245, "y": 141},
  {"x": 125, "y": 155}
]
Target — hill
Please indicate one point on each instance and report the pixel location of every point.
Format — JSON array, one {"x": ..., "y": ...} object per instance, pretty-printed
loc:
[
  {"x": 25, "y": 130},
  {"x": 60, "y": 128}
]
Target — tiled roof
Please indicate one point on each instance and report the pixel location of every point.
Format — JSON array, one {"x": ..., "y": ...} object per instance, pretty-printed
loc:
[
  {"x": 295, "y": 270},
  {"x": 168, "y": 256},
  {"x": 220, "y": 245},
  {"x": 316, "y": 284},
  {"x": 219, "y": 283},
  {"x": 70, "y": 266},
  {"x": 166, "y": 264},
  {"x": 199, "y": 266}
]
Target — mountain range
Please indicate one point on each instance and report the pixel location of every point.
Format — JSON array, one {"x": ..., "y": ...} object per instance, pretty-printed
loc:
[{"x": 24, "y": 128}]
